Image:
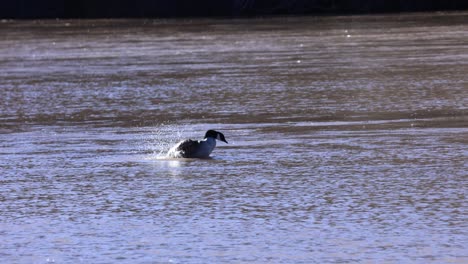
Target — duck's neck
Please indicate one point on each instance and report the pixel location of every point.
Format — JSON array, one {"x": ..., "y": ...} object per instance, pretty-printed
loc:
[{"x": 210, "y": 141}]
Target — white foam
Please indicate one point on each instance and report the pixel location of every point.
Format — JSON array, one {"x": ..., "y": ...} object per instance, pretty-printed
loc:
[{"x": 161, "y": 138}]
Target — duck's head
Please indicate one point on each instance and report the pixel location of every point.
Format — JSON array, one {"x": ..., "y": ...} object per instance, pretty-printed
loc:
[{"x": 216, "y": 135}]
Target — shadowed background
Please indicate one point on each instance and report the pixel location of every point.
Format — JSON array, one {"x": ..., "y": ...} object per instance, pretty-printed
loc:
[{"x": 183, "y": 8}]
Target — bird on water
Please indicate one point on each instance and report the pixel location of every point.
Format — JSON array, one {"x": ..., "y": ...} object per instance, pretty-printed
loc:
[{"x": 196, "y": 148}]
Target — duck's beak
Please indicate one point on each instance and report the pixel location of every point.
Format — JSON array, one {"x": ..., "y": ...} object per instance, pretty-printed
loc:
[{"x": 221, "y": 137}]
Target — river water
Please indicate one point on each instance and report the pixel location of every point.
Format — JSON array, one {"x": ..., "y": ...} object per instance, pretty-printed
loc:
[{"x": 348, "y": 140}]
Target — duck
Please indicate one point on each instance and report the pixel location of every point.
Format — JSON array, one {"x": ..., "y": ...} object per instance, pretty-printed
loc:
[{"x": 196, "y": 149}]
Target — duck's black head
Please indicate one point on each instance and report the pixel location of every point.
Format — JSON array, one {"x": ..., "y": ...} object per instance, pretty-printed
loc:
[{"x": 216, "y": 135}]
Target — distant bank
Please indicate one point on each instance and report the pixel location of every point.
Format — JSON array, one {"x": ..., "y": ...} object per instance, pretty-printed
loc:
[{"x": 27, "y": 9}]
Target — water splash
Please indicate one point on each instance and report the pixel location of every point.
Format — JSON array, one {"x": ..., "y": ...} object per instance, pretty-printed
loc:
[{"x": 159, "y": 139}]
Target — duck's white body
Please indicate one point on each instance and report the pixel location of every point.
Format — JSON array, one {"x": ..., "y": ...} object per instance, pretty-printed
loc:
[{"x": 199, "y": 149}]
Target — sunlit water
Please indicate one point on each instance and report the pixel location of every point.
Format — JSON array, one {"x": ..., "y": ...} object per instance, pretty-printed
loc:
[{"x": 347, "y": 140}]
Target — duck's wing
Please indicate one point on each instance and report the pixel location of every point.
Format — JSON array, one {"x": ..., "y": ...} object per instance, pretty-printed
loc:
[{"x": 188, "y": 147}]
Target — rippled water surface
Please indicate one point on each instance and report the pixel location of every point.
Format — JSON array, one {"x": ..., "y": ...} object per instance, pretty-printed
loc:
[{"x": 347, "y": 140}]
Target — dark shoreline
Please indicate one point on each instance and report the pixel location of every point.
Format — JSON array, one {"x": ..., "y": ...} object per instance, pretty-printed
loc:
[{"x": 32, "y": 9}]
